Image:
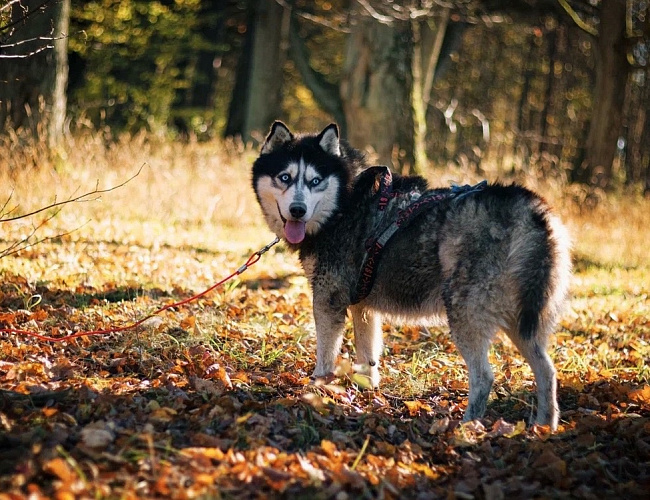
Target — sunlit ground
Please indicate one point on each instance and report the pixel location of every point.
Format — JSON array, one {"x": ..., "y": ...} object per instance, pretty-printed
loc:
[{"x": 216, "y": 390}]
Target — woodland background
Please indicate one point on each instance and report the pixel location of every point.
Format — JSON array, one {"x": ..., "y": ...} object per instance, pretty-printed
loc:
[
  {"x": 127, "y": 134},
  {"x": 557, "y": 83}
]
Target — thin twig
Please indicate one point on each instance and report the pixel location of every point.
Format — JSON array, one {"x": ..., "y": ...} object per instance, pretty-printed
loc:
[
  {"x": 24, "y": 242},
  {"x": 577, "y": 19},
  {"x": 323, "y": 22},
  {"x": 8, "y": 4},
  {"x": 37, "y": 38},
  {"x": 361, "y": 452},
  {"x": 78, "y": 199},
  {"x": 4, "y": 205},
  {"x": 15, "y": 248},
  {"x": 376, "y": 15},
  {"x": 313, "y": 18},
  {"x": 25, "y": 16},
  {"x": 28, "y": 54}
]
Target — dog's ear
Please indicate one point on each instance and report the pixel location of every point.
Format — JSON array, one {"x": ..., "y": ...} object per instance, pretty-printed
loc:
[
  {"x": 278, "y": 136},
  {"x": 328, "y": 139}
]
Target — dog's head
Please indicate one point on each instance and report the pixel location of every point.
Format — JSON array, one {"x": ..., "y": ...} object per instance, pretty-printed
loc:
[{"x": 300, "y": 181}]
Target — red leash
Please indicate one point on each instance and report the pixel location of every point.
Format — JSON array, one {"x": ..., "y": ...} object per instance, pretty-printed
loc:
[{"x": 251, "y": 260}]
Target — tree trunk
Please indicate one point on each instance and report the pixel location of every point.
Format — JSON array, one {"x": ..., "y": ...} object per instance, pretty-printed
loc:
[
  {"x": 34, "y": 69},
  {"x": 426, "y": 42},
  {"x": 375, "y": 90},
  {"x": 608, "y": 96},
  {"x": 239, "y": 96},
  {"x": 264, "y": 101},
  {"x": 637, "y": 157},
  {"x": 522, "y": 146},
  {"x": 59, "y": 99},
  {"x": 202, "y": 92},
  {"x": 543, "y": 143},
  {"x": 418, "y": 102},
  {"x": 325, "y": 93},
  {"x": 433, "y": 39}
]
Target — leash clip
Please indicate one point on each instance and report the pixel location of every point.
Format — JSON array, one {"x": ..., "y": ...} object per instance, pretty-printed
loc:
[
  {"x": 257, "y": 255},
  {"x": 266, "y": 248}
]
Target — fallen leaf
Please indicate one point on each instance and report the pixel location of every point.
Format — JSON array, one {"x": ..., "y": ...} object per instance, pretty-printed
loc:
[
  {"x": 60, "y": 468},
  {"x": 207, "y": 387},
  {"x": 163, "y": 415},
  {"x": 439, "y": 426},
  {"x": 97, "y": 435},
  {"x": 641, "y": 395},
  {"x": 506, "y": 429}
]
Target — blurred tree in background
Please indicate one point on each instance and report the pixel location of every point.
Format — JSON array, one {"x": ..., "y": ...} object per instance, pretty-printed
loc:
[
  {"x": 133, "y": 60},
  {"x": 34, "y": 66},
  {"x": 558, "y": 85}
]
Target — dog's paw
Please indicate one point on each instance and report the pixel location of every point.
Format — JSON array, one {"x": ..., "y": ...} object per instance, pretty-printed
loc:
[
  {"x": 366, "y": 376},
  {"x": 324, "y": 379}
]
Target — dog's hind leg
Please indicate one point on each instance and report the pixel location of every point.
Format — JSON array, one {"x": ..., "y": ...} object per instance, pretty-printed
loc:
[
  {"x": 464, "y": 300},
  {"x": 534, "y": 350},
  {"x": 474, "y": 346},
  {"x": 367, "y": 340}
]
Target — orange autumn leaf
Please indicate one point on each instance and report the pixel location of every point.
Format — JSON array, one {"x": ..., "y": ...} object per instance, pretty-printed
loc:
[
  {"x": 413, "y": 407},
  {"x": 211, "y": 453},
  {"x": 641, "y": 395},
  {"x": 188, "y": 322},
  {"x": 49, "y": 412},
  {"x": 60, "y": 468},
  {"x": 8, "y": 318}
]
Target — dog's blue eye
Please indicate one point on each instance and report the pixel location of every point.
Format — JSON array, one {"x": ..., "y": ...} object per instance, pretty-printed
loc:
[
  {"x": 284, "y": 178},
  {"x": 315, "y": 181}
]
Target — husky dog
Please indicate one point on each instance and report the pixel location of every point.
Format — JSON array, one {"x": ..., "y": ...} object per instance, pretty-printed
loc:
[{"x": 488, "y": 257}]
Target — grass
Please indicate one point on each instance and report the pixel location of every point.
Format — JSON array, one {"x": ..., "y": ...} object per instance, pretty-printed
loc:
[
  {"x": 228, "y": 373},
  {"x": 191, "y": 213}
]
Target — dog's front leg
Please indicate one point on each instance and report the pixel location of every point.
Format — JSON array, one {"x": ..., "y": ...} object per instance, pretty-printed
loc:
[
  {"x": 330, "y": 321},
  {"x": 367, "y": 340}
]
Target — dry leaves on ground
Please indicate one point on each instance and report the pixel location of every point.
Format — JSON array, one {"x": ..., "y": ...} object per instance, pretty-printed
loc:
[{"x": 213, "y": 397}]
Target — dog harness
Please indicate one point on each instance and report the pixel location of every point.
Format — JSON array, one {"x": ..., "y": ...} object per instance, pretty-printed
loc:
[{"x": 375, "y": 245}]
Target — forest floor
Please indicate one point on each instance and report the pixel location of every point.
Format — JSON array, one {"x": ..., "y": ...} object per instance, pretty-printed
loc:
[{"x": 212, "y": 399}]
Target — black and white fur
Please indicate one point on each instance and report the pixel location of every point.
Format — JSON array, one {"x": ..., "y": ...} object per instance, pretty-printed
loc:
[{"x": 494, "y": 260}]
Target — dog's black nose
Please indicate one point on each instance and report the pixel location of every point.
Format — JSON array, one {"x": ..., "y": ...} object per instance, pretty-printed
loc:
[{"x": 297, "y": 210}]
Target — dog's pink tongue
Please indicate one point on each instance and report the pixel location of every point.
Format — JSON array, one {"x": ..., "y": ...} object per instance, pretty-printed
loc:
[{"x": 294, "y": 230}]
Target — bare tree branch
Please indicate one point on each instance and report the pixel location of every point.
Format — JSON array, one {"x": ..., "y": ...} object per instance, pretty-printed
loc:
[
  {"x": 4, "y": 44},
  {"x": 577, "y": 19},
  {"x": 27, "y": 14},
  {"x": 21, "y": 42},
  {"x": 26, "y": 242},
  {"x": 376, "y": 15},
  {"x": 26, "y": 55},
  {"x": 77, "y": 199},
  {"x": 315, "y": 19},
  {"x": 325, "y": 92},
  {"x": 14, "y": 249},
  {"x": 8, "y": 4},
  {"x": 4, "y": 205}
]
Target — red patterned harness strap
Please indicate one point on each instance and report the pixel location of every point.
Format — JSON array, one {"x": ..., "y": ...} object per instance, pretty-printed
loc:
[{"x": 375, "y": 245}]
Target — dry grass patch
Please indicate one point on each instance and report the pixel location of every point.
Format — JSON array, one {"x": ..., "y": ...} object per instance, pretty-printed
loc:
[
  {"x": 187, "y": 194},
  {"x": 212, "y": 398}
]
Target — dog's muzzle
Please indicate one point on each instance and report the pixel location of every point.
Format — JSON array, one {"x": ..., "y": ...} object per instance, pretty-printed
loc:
[{"x": 297, "y": 209}]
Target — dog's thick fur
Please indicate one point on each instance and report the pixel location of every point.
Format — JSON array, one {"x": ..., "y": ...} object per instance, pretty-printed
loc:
[{"x": 496, "y": 259}]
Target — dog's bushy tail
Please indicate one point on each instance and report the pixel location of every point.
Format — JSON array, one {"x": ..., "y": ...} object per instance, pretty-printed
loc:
[
  {"x": 534, "y": 275},
  {"x": 530, "y": 313},
  {"x": 545, "y": 274}
]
